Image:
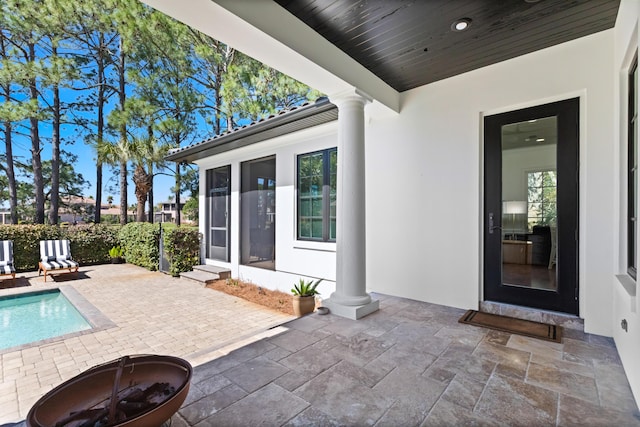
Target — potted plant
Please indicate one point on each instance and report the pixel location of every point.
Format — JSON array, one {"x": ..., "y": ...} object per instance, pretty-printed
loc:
[
  {"x": 116, "y": 253},
  {"x": 304, "y": 293}
]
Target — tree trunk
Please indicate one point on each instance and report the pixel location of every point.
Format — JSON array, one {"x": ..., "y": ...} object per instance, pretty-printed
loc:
[
  {"x": 228, "y": 59},
  {"x": 8, "y": 133},
  {"x": 100, "y": 128},
  {"x": 97, "y": 215},
  {"x": 11, "y": 176},
  {"x": 123, "y": 193},
  {"x": 140, "y": 216},
  {"x": 55, "y": 153},
  {"x": 142, "y": 180},
  {"x": 36, "y": 161},
  {"x": 123, "y": 137},
  {"x": 218, "y": 87}
]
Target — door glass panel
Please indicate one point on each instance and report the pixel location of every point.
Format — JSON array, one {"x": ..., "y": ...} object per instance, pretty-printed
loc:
[
  {"x": 258, "y": 212},
  {"x": 529, "y": 203},
  {"x": 219, "y": 209},
  {"x": 218, "y": 183},
  {"x": 218, "y": 238}
]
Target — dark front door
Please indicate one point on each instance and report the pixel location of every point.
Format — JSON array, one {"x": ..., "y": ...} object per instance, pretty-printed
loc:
[{"x": 531, "y": 207}]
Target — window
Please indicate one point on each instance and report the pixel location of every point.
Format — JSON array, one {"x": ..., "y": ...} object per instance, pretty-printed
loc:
[
  {"x": 317, "y": 184},
  {"x": 541, "y": 198},
  {"x": 632, "y": 171}
]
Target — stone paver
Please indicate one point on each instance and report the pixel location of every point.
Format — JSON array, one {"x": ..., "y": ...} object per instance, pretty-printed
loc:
[
  {"x": 410, "y": 363},
  {"x": 136, "y": 312}
]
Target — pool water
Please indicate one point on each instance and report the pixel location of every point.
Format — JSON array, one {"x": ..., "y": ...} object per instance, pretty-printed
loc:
[{"x": 37, "y": 316}]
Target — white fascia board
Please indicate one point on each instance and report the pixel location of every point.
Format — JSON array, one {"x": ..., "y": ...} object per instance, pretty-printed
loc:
[{"x": 268, "y": 33}]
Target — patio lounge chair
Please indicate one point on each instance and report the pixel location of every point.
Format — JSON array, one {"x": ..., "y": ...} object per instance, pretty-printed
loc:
[
  {"x": 56, "y": 255},
  {"x": 6, "y": 259}
]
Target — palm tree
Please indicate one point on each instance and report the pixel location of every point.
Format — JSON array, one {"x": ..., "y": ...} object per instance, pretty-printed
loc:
[
  {"x": 154, "y": 153},
  {"x": 116, "y": 154},
  {"x": 144, "y": 154}
]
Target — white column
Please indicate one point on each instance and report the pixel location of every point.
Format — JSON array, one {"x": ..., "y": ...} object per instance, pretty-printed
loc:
[{"x": 350, "y": 298}]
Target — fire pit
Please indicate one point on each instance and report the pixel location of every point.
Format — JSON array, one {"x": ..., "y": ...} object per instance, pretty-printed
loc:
[{"x": 140, "y": 390}]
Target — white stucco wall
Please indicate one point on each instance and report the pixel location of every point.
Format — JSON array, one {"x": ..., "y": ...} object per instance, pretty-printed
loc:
[
  {"x": 424, "y": 182},
  {"x": 624, "y": 288},
  {"x": 294, "y": 259},
  {"x": 424, "y": 176}
]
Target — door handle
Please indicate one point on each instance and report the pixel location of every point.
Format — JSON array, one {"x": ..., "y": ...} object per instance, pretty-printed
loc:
[{"x": 491, "y": 226}]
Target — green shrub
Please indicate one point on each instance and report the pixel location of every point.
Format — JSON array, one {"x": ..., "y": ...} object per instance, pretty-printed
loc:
[
  {"x": 306, "y": 288},
  {"x": 140, "y": 241},
  {"x": 116, "y": 252},
  {"x": 89, "y": 243},
  {"x": 182, "y": 246}
]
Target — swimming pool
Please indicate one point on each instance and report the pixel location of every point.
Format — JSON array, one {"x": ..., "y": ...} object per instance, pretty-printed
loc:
[{"x": 36, "y": 316}]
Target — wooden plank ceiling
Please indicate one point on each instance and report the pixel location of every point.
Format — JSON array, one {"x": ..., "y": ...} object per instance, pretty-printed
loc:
[{"x": 409, "y": 43}]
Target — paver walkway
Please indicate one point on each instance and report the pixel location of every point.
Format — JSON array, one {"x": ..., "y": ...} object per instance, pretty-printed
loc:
[
  {"x": 410, "y": 364},
  {"x": 137, "y": 312}
]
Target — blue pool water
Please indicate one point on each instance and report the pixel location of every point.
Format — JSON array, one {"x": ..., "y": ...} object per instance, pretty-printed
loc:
[{"x": 36, "y": 316}]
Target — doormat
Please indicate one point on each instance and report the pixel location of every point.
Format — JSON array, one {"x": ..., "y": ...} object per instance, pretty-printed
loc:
[{"x": 512, "y": 325}]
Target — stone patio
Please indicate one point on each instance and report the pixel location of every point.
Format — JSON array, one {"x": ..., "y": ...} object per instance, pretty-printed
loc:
[{"x": 410, "y": 363}]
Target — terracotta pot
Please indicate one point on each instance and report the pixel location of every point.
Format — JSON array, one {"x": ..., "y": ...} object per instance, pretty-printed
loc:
[{"x": 303, "y": 305}]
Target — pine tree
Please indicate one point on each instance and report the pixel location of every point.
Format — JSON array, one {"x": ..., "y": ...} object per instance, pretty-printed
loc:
[
  {"x": 94, "y": 34},
  {"x": 9, "y": 113}
]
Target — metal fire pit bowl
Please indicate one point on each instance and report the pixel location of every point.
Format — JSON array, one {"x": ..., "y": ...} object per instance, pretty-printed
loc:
[{"x": 94, "y": 387}]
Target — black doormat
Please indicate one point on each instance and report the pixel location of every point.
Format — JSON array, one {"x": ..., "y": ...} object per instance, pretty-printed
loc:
[{"x": 528, "y": 328}]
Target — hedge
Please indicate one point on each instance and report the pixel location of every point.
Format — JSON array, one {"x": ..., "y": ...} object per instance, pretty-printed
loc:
[
  {"x": 182, "y": 247},
  {"x": 140, "y": 241},
  {"x": 90, "y": 244}
]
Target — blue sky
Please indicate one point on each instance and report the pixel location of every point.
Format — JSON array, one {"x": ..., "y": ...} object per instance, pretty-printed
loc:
[
  {"x": 74, "y": 142},
  {"x": 86, "y": 165}
]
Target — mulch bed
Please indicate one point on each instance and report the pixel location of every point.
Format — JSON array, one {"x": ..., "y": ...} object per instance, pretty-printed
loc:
[{"x": 275, "y": 300}]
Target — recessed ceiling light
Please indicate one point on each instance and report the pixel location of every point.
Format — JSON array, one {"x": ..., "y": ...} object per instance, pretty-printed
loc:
[
  {"x": 461, "y": 24},
  {"x": 540, "y": 140}
]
